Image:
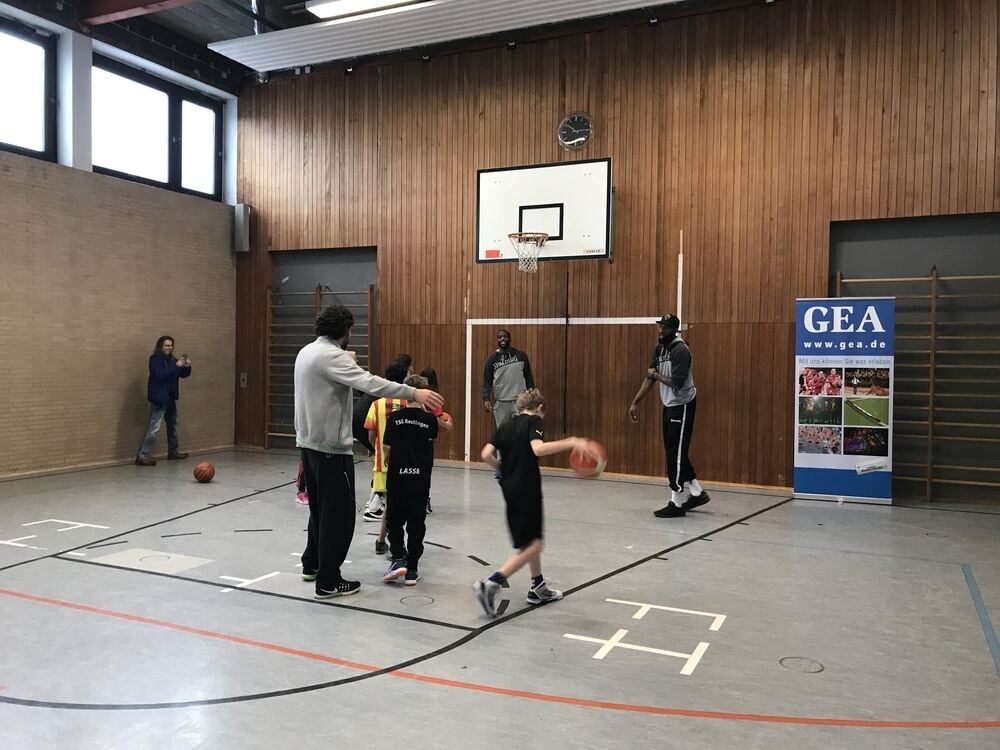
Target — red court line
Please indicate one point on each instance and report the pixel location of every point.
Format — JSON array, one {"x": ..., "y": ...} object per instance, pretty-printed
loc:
[
  {"x": 192, "y": 630},
  {"x": 510, "y": 692}
]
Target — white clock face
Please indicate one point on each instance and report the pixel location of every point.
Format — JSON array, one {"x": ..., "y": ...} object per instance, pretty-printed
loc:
[{"x": 575, "y": 131}]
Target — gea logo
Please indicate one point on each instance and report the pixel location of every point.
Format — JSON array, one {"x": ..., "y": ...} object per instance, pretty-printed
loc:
[{"x": 840, "y": 319}]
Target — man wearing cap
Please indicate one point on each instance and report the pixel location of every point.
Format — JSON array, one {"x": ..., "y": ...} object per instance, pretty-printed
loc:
[{"x": 670, "y": 366}]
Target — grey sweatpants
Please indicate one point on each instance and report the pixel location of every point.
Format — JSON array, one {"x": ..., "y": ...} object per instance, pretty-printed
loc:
[{"x": 502, "y": 411}]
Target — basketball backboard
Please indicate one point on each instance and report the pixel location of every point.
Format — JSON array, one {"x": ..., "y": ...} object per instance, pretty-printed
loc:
[{"x": 569, "y": 201}]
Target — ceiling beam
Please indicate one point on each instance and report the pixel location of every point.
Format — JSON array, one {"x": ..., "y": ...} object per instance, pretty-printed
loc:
[{"x": 97, "y": 12}]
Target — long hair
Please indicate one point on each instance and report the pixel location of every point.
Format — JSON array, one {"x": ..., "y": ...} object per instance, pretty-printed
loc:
[
  {"x": 158, "y": 349},
  {"x": 432, "y": 377}
]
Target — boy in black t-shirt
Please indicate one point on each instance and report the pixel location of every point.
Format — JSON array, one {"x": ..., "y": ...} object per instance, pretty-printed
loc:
[
  {"x": 520, "y": 441},
  {"x": 408, "y": 443}
]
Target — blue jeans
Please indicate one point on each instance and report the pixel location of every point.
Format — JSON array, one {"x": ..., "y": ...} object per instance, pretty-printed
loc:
[{"x": 156, "y": 416}]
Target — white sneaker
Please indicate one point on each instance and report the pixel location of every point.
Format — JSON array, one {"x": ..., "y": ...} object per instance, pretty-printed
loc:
[
  {"x": 542, "y": 594},
  {"x": 375, "y": 507}
]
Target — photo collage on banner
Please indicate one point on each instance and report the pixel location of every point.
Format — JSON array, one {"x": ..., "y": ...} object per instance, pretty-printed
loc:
[{"x": 844, "y": 360}]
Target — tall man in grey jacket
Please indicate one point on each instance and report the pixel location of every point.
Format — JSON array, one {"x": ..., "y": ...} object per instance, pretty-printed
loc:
[
  {"x": 325, "y": 374},
  {"x": 506, "y": 376},
  {"x": 670, "y": 367}
]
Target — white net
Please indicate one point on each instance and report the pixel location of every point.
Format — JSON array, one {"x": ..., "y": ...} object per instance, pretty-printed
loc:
[{"x": 527, "y": 245}]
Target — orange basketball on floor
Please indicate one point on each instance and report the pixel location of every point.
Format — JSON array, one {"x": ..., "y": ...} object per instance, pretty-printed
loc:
[
  {"x": 204, "y": 472},
  {"x": 585, "y": 465}
]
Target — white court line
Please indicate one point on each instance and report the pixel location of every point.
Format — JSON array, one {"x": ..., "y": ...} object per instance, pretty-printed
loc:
[
  {"x": 644, "y": 609},
  {"x": 244, "y": 582},
  {"x": 72, "y": 524},
  {"x": 14, "y": 542},
  {"x": 470, "y": 322},
  {"x": 691, "y": 660}
]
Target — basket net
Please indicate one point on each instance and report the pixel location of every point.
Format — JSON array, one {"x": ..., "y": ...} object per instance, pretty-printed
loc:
[{"x": 527, "y": 245}]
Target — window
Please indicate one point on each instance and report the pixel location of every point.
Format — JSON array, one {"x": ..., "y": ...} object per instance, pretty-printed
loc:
[
  {"x": 149, "y": 130},
  {"x": 130, "y": 127},
  {"x": 27, "y": 99},
  {"x": 197, "y": 147}
]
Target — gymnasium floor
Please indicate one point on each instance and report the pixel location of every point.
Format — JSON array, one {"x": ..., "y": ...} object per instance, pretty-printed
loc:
[{"x": 177, "y": 619}]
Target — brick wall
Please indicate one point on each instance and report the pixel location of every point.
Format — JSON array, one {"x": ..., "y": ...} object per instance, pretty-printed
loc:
[{"x": 92, "y": 270}]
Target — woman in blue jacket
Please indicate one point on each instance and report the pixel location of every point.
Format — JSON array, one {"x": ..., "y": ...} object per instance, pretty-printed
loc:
[{"x": 162, "y": 391}]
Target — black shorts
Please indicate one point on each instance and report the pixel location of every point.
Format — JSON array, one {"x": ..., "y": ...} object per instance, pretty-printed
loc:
[{"x": 524, "y": 519}]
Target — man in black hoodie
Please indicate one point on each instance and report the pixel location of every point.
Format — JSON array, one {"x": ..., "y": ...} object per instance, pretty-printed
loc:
[{"x": 506, "y": 376}]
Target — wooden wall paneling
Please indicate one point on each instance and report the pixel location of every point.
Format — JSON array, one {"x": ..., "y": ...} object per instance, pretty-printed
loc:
[
  {"x": 970, "y": 103},
  {"x": 435, "y": 346},
  {"x": 867, "y": 70},
  {"x": 990, "y": 66},
  {"x": 806, "y": 177},
  {"x": 600, "y": 395},
  {"x": 923, "y": 102},
  {"x": 929, "y": 188},
  {"x": 890, "y": 122},
  {"x": 948, "y": 85}
]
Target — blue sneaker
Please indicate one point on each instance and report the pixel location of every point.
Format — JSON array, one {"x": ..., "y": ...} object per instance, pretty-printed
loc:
[{"x": 397, "y": 569}]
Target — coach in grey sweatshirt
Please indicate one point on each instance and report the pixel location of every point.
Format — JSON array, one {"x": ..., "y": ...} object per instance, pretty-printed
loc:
[
  {"x": 325, "y": 374},
  {"x": 506, "y": 376}
]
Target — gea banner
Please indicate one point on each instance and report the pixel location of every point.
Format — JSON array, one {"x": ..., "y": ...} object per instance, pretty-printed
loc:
[{"x": 844, "y": 356}]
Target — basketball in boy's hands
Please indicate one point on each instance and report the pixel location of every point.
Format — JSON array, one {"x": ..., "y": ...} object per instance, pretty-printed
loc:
[
  {"x": 204, "y": 472},
  {"x": 445, "y": 417},
  {"x": 586, "y": 465}
]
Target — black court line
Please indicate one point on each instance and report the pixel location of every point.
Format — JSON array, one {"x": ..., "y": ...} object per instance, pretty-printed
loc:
[
  {"x": 762, "y": 493},
  {"x": 274, "y": 594},
  {"x": 662, "y": 558},
  {"x": 435, "y": 544},
  {"x": 359, "y": 677},
  {"x": 662, "y": 552},
  {"x": 143, "y": 528},
  {"x": 186, "y": 533},
  {"x": 894, "y": 506},
  {"x": 243, "y": 531},
  {"x": 502, "y": 607},
  {"x": 903, "y": 506},
  {"x": 478, "y": 560},
  {"x": 742, "y": 524},
  {"x": 109, "y": 544}
]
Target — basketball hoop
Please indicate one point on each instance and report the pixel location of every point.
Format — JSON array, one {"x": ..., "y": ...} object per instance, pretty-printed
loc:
[{"x": 528, "y": 245}]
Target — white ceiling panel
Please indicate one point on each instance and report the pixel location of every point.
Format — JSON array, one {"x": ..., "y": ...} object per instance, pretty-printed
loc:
[{"x": 419, "y": 25}]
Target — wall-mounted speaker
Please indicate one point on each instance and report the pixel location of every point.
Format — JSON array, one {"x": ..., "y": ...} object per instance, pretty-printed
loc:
[{"x": 241, "y": 228}]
